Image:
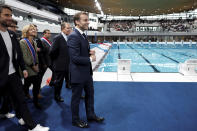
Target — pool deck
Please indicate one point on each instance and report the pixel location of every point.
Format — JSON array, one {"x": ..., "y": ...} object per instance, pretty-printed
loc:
[
  {"x": 135, "y": 77},
  {"x": 143, "y": 77}
]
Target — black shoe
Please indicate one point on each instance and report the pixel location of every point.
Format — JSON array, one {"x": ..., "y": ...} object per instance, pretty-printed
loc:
[
  {"x": 59, "y": 99},
  {"x": 38, "y": 106},
  {"x": 96, "y": 119},
  {"x": 80, "y": 124}
]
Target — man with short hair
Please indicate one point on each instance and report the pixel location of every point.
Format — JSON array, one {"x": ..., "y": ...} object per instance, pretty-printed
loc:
[
  {"x": 81, "y": 71},
  {"x": 11, "y": 59},
  {"x": 60, "y": 60},
  {"x": 13, "y": 26},
  {"x": 46, "y": 44},
  {"x": 6, "y": 107}
]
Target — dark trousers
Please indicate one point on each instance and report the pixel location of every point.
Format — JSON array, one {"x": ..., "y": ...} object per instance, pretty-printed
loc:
[
  {"x": 77, "y": 89},
  {"x": 59, "y": 78},
  {"x": 53, "y": 76},
  {"x": 6, "y": 104},
  {"x": 14, "y": 89},
  {"x": 41, "y": 74},
  {"x": 36, "y": 87}
]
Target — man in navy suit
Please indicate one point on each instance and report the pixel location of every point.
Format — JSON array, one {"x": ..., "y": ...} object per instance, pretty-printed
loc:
[{"x": 81, "y": 71}]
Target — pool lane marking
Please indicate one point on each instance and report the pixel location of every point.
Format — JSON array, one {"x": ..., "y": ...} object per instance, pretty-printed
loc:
[
  {"x": 119, "y": 57},
  {"x": 183, "y": 54},
  {"x": 163, "y": 55},
  {"x": 152, "y": 66}
]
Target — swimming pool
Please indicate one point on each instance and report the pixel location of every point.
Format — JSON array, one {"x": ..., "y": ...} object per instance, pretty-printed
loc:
[{"x": 146, "y": 57}]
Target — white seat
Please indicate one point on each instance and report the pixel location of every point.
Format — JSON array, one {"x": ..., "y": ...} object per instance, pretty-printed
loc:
[{"x": 188, "y": 67}]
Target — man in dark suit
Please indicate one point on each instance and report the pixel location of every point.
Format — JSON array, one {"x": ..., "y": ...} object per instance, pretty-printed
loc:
[
  {"x": 60, "y": 60},
  {"x": 6, "y": 107},
  {"x": 81, "y": 71},
  {"x": 47, "y": 45},
  {"x": 11, "y": 59}
]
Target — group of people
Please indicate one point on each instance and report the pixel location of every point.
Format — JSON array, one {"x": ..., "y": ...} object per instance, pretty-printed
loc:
[
  {"x": 69, "y": 56},
  {"x": 163, "y": 25}
]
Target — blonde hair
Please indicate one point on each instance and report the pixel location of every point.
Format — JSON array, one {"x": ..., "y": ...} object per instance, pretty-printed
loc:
[{"x": 26, "y": 29}]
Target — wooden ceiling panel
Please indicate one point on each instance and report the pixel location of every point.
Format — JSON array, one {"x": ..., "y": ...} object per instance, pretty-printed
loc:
[
  {"x": 83, "y": 5},
  {"x": 131, "y": 7}
]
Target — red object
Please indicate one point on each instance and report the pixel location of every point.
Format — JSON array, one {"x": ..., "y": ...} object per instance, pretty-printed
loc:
[{"x": 48, "y": 81}]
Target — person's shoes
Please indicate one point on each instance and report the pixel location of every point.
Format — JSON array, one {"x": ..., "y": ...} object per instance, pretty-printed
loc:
[
  {"x": 40, "y": 96},
  {"x": 39, "y": 128},
  {"x": 21, "y": 122},
  {"x": 96, "y": 119},
  {"x": 8, "y": 115},
  {"x": 38, "y": 106},
  {"x": 58, "y": 99},
  {"x": 80, "y": 124}
]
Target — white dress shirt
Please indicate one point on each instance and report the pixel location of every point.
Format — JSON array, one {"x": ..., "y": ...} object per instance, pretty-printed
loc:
[
  {"x": 65, "y": 36},
  {"x": 7, "y": 40}
]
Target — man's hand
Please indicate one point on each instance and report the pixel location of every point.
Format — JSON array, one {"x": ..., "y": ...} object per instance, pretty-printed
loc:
[
  {"x": 92, "y": 52},
  {"x": 93, "y": 58},
  {"x": 25, "y": 73}
]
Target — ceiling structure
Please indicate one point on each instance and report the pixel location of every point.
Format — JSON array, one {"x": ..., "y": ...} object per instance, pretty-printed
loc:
[{"x": 131, "y": 7}]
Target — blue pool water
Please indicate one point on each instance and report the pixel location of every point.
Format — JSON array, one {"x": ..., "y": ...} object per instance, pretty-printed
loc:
[{"x": 149, "y": 57}]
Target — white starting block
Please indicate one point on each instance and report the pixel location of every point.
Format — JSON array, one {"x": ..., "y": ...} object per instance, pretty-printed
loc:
[
  {"x": 189, "y": 67},
  {"x": 124, "y": 66}
]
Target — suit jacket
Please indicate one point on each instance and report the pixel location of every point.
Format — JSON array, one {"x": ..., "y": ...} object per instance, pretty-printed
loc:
[
  {"x": 41, "y": 54},
  {"x": 80, "y": 65},
  {"x": 17, "y": 58},
  {"x": 28, "y": 59},
  {"x": 46, "y": 49},
  {"x": 59, "y": 54}
]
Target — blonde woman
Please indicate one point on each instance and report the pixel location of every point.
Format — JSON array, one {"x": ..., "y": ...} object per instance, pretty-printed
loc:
[{"x": 29, "y": 49}]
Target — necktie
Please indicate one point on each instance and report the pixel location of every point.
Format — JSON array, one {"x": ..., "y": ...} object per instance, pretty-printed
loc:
[
  {"x": 84, "y": 36},
  {"x": 87, "y": 41}
]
